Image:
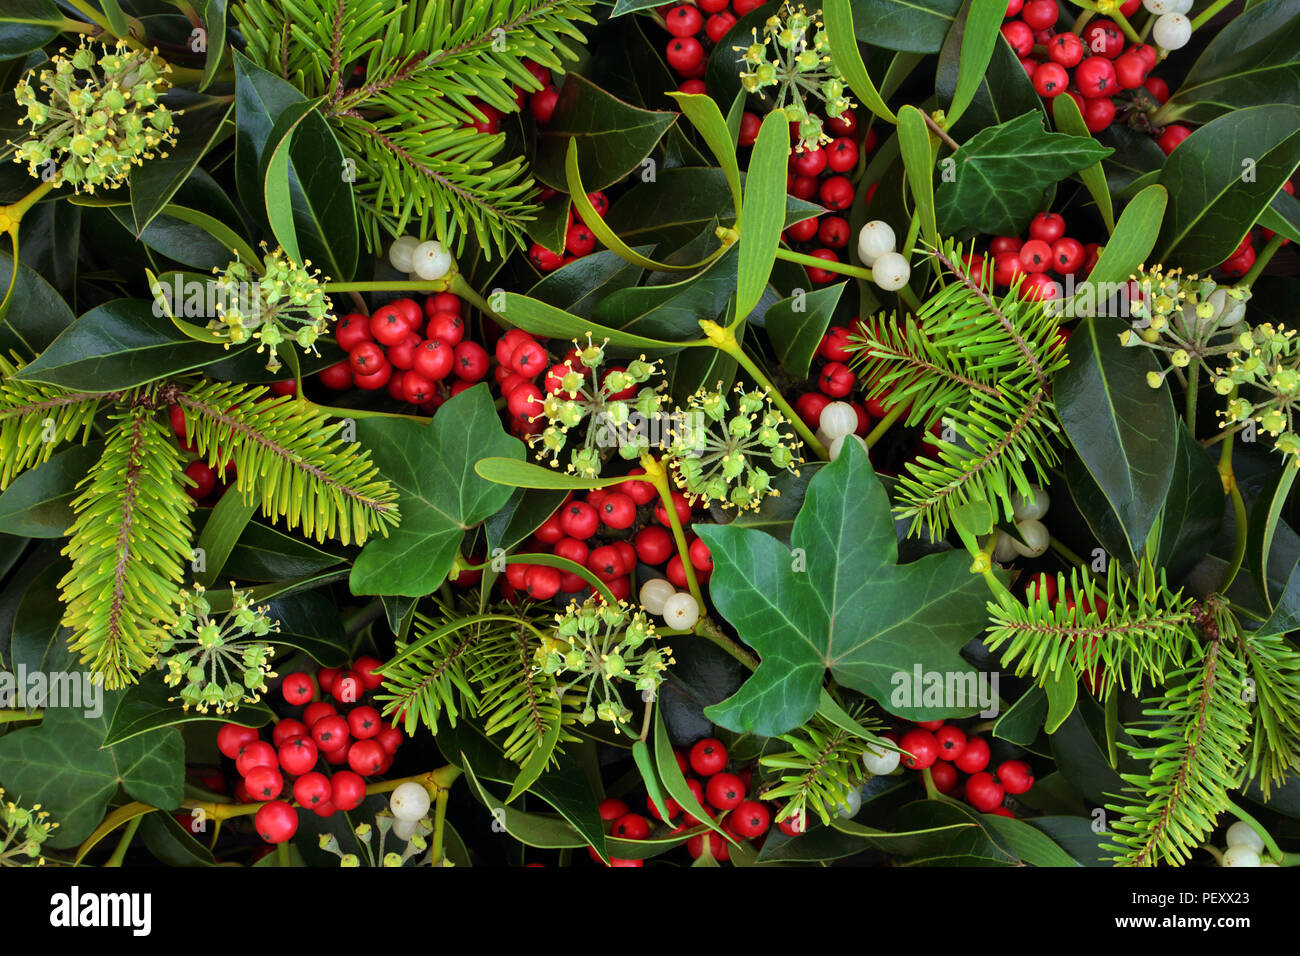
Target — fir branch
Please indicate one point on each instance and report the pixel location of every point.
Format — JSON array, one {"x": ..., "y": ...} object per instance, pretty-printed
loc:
[
  {"x": 519, "y": 700},
  {"x": 128, "y": 545},
  {"x": 428, "y": 677},
  {"x": 289, "y": 456},
  {"x": 1274, "y": 667},
  {"x": 822, "y": 768},
  {"x": 1127, "y": 635},
  {"x": 35, "y": 419},
  {"x": 1197, "y": 732}
]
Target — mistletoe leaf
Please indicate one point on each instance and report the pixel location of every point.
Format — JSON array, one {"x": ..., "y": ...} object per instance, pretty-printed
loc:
[
  {"x": 1004, "y": 175},
  {"x": 613, "y": 136},
  {"x": 442, "y": 496},
  {"x": 62, "y": 765},
  {"x": 838, "y": 600}
]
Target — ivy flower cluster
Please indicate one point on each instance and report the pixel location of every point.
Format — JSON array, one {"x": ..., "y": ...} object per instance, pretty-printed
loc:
[
  {"x": 1179, "y": 316},
  {"x": 221, "y": 663},
  {"x": 22, "y": 832},
  {"x": 794, "y": 56},
  {"x": 94, "y": 115},
  {"x": 723, "y": 450},
  {"x": 279, "y": 302},
  {"x": 615, "y": 410},
  {"x": 375, "y": 855},
  {"x": 1266, "y": 359},
  {"x": 600, "y": 644}
]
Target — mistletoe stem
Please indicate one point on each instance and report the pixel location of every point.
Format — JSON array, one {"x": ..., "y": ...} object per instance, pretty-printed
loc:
[
  {"x": 1274, "y": 851},
  {"x": 336, "y": 412},
  {"x": 844, "y": 268},
  {"x": 439, "y": 824},
  {"x": 940, "y": 132},
  {"x": 401, "y": 285},
  {"x": 1208, "y": 13},
  {"x": 124, "y": 843},
  {"x": 461, "y": 287},
  {"x": 724, "y": 340},
  {"x": 659, "y": 478},
  {"x": 1064, "y": 551}
]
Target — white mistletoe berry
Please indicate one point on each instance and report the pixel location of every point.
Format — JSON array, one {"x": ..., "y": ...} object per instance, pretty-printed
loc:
[
  {"x": 1004, "y": 550},
  {"x": 1172, "y": 31},
  {"x": 1034, "y": 505},
  {"x": 874, "y": 240},
  {"x": 1159, "y": 7},
  {"x": 404, "y": 829},
  {"x": 681, "y": 611},
  {"x": 430, "y": 261},
  {"x": 1240, "y": 856},
  {"x": 890, "y": 271},
  {"x": 838, "y": 419},
  {"x": 880, "y": 762},
  {"x": 409, "y": 801},
  {"x": 850, "y": 805},
  {"x": 1035, "y": 538},
  {"x": 1242, "y": 833},
  {"x": 399, "y": 253},
  {"x": 654, "y": 593},
  {"x": 837, "y": 445}
]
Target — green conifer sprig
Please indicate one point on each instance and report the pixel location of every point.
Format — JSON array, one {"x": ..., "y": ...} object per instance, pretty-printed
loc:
[
  {"x": 982, "y": 366},
  {"x": 421, "y": 167},
  {"x": 289, "y": 457},
  {"x": 35, "y": 419},
  {"x": 129, "y": 544},
  {"x": 1274, "y": 667}
]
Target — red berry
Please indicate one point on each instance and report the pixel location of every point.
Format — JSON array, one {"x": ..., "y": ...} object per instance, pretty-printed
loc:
[
  {"x": 231, "y": 738},
  {"x": 1020, "y": 35},
  {"x": 654, "y": 545},
  {"x": 983, "y": 792},
  {"x": 750, "y": 819},
  {"x": 1098, "y": 113},
  {"x": 1157, "y": 88},
  {"x": 330, "y": 733},
  {"x": 367, "y": 358},
  {"x": 542, "y": 105},
  {"x": 347, "y": 790},
  {"x": 1051, "y": 79},
  {"x": 808, "y": 162},
  {"x": 822, "y": 276},
  {"x": 390, "y": 738},
  {"x": 749, "y": 127},
  {"x": 338, "y": 376},
  {"x": 204, "y": 478},
  {"x": 1040, "y": 14},
  {"x": 802, "y": 231},
  {"x": 717, "y": 846},
  {"x": 684, "y": 21},
  {"x": 389, "y": 325},
  {"x": 708, "y": 756},
  {"x": 1036, "y": 256},
  {"x": 579, "y": 240},
  {"x": 1130, "y": 71},
  {"x": 685, "y": 54},
  {"x": 366, "y": 757},
  {"x": 446, "y": 327},
  {"x": 542, "y": 583},
  {"x": 836, "y": 193},
  {"x": 716, "y": 27},
  {"x": 833, "y": 232},
  {"x": 287, "y": 729},
  {"x": 1095, "y": 76},
  {"x": 256, "y": 753},
  {"x": 944, "y": 776},
  {"x": 922, "y": 749},
  {"x": 642, "y": 492},
  {"x": 1174, "y": 134},
  {"x": 725, "y": 791},
  {"x": 836, "y": 380},
  {"x": 1068, "y": 256},
  {"x": 975, "y": 757},
  {"x": 846, "y": 124},
  {"x": 809, "y": 407},
  {"x": 364, "y": 668},
  {"x": 1047, "y": 227},
  {"x": 631, "y": 826},
  {"x": 321, "y": 708},
  {"x": 617, "y": 511},
  {"x": 612, "y": 809},
  {"x": 1041, "y": 582},
  {"x": 1016, "y": 776},
  {"x": 680, "y": 505},
  {"x": 364, "y": 722},
  {"x": 834, "y": 344},
  {"x": 951, "y": 741},
  {"x": 1103, "y": 37},
  {"x": 264, "y": 783},
  {"x": 312, "y": 789},
  {"x": 841, "y": 154},
  {"x": 298, "y": 755},
  {"x": 605, "y": 562},
  {"x": 579, "y": 520},
  {"x": 1066, "y": 49},
  {"x": 352, "y": 330},
  {"x": 347, "y": 688},
  {"x": 701, "y": 560},
  {"x": 276, "y": 822}
]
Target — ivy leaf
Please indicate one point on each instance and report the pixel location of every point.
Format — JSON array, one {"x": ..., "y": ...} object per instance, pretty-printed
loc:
[
  {"x": 441, "y": 495},
  {"x": 838, "y": 600},
  {"x": 60, "y": 765},
  {"x": 613, "y": 136},
  {"x": 1004, "y": 175}
]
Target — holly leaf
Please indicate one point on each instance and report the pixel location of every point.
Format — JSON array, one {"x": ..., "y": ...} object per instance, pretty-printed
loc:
[
  {"x": 60, "y": 765},
  {"x": 442, "y": 496},
  {"x": 1003, "y": 175},
  {"x": 838, "y": 600}
]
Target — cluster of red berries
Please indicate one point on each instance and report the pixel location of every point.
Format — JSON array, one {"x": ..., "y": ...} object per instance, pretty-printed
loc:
[
  {"x": 696, "y": 29},
  {"x": 579, "y": 240},
  {"x": 1243, "y": 257},
  {"x": 717, "y": 790},
  {"x": 1093, "y": 65},
  {"x": 820, "y": 175},
  {"x": 1046, "y": 252},
  {"x": 358, "y": 737},
  {"x": 420, "y": 354},
  {"x": 946, "y": 751},
  {"x": 607, "y": 531}
]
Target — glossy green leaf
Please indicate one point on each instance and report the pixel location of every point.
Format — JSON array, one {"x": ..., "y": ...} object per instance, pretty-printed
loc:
[
  {"x": 517, "y": 473},
  {"x": 612, "y": 137},
  {"x": 1124, "y": 431},
  {"x": 1062, "y": 694},
  {"x": 38, "y": 504},
  {"x": 153, "y": 184},
  {"x": 1068, "y": 119},
  {"x": 838, "y": 600},
  {"x": 674, "y": 781},
  {"x": 542, "y": 319},
  {"x": 583, "y": 284},
  {"x": 1221, "y": 178},
  {"x": 796, "y": 325},
  {"x": 1133, "y": 239},
  {"x": 432, "y": 466},
  {"x": 1193, "y": 511},
  {"x": 1022, "y": 723},
  {"x": 672, "y": 312},
  {"x": 264, "y": 554},
  {"x": 44, "y": 313},
  {"x": 27, "y": 25},
  {"x": 310, "y": 622},
  {"x": 918, "y": 160},
  {"x": 980, "y": 32},
  {"x": 172, "y": 844},
  {"x": 217, "y": 540},
  {"x": 708, "y": 121},
  {"x": 61, "y": 764},
  {"x": 521, "y": 516},
  {"x": 229, "y": 239},
  {"x": 116, "y": 18},
  {"x": 546, "y": 831},
  {"x": 213, "y": 15},
  {"x": 1254, "y": 59},
  {"x": 763, "y": 213},
  {"x": 1004, "y": 92},
  {"x": 118, "y": 345},
  {"x": 145, "y": 707},
  {"x": 1004, "y": 175},
  {"x": 1264, "y": 520},
  {"x": 913, "y": 26}
]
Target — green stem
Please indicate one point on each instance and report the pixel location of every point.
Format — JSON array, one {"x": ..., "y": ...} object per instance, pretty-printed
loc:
[
  {"x": 282, "y": 854},
  {"x": 844, "y": 268},
  {"x": 1274, "y": 851},
  {"x": 124, "y": 843},
  {"x": 14, "y": 716},
  {"x": 708, "y": 630},
  {"x": 1208, "y": 13},
  {"x": 882, "y": 426},
  {"x": 724, "y": 339},
  {"x": 1119, "y": 18},
  {"x": 1262, "y": 260},
  {"x": 337, "y": 412},
  {"x": 1239, "y": 545},
  {"x": 461, "y": 287},
  {"x": 439, "y": 825},
  {"x": 1193, "y": 381},
  {"x": 402, "y": 285},
  {"x": 1064, "y": 551},
  {"x": 654, "y": 469}
]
